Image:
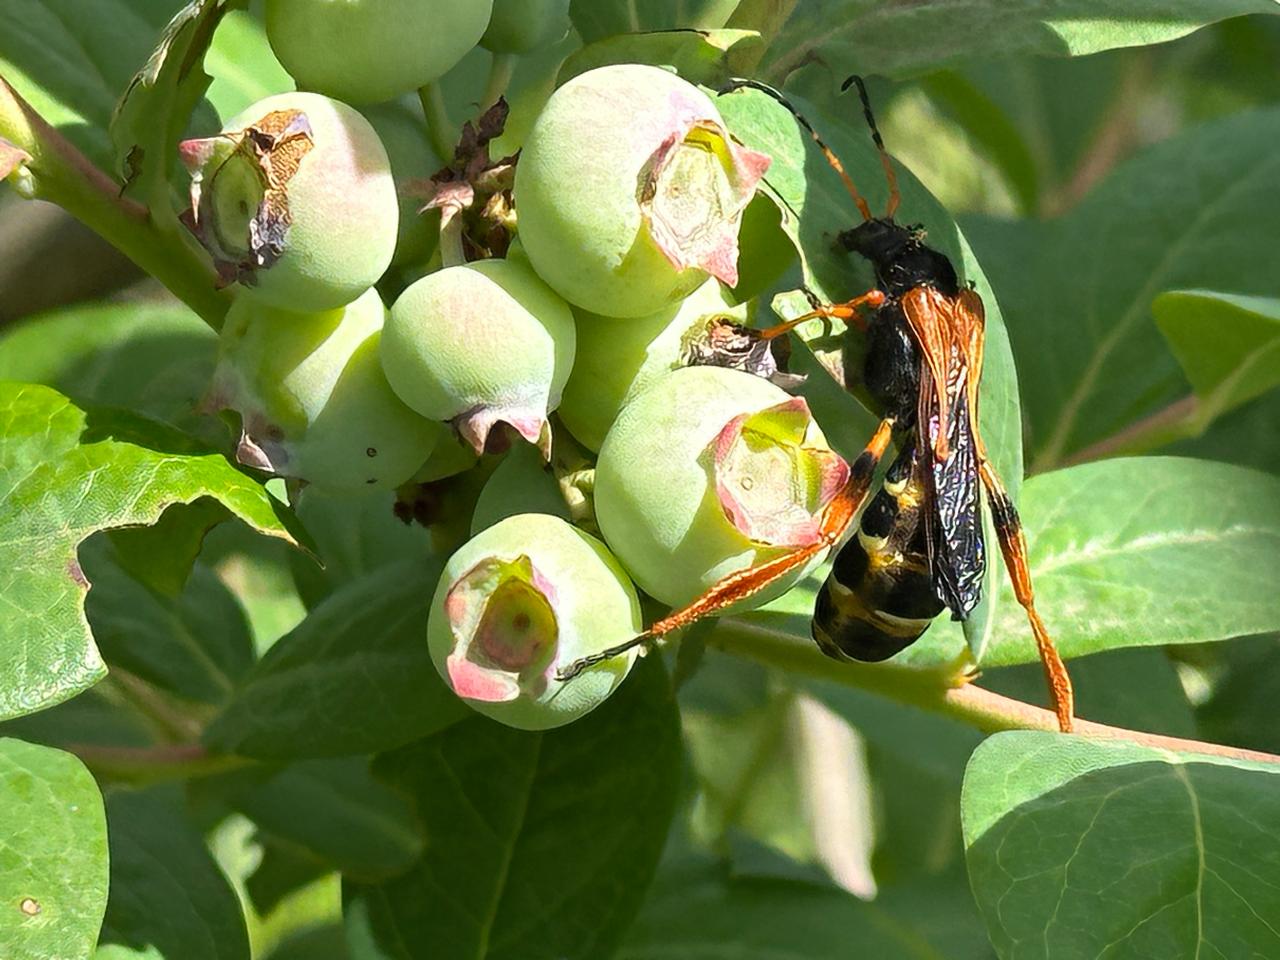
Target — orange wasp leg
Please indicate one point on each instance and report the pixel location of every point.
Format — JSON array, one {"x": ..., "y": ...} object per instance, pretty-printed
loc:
[
  {"x": 850, "y": 310},
  {"x": 744, "y": 583},
  {"x": 1013, "y": 545}
]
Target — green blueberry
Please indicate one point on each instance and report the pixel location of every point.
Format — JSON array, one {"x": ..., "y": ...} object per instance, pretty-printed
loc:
[
  {"x": 296, "y": 201},
  {"x": 630, "y": 191},
  {"x": 518, "y": 26},
  {"x": 313, "y": 401},
  {"x": 710, "y": 471},
  {"x": 617, "y": 359},
  {"x": 520, "y": 600},
  {"x": 480, "y": 344},
  {"x": 364, "y": 51},
  {"x": 403, "y": 132}
]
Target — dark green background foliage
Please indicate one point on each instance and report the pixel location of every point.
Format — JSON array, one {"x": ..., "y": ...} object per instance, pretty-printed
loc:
[{"x": 227, "y": 750}]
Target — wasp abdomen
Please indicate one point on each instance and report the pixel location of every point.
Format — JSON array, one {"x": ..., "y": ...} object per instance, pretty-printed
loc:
[{"x": 880, "y": 596}]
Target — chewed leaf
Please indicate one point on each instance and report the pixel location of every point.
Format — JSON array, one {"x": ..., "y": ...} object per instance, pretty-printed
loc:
[{"x": 66, "y": 473}]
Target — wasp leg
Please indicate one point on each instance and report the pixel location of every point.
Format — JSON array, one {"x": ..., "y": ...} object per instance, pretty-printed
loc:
[
  {"x": 850, "y": 310},
  {"x": 1013, "y": 545},
  {"x": 740, "y": 584}
]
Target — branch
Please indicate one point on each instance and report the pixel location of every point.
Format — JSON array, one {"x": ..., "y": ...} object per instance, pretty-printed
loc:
[
  {"x": 143, "y": 766},
  {"x": 61, "y": 174},
  {"x": 1174, "y": 422},
  {"x": 938, "y": 691}
]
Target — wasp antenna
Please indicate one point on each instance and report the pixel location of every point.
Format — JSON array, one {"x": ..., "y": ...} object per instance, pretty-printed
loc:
[
  {"x": 889, "y": 174},
  {"x": 738, "y": 83}
]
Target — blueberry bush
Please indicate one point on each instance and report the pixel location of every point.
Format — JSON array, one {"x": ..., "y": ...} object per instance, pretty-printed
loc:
[{"x": 351, "y": 387}]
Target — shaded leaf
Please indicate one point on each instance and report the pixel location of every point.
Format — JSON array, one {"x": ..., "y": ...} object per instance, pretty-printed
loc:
[
  {"x": 1090, "y": 359},
  {"x": 168, "y": 899},
  {"x": 149, "y": 119},
  {"x": 1242, "y": 708},
  {"x": 65, "y": 474},
  {"x": 700, "y": 56},
  {"x": 539, "y": 845},
  {"x": 604, "y": 18},
  {"x": 155, "y": 359},
  {"x": 53, "y": 854},
  {"x": 1102, "y": 849},
  {"x": 697, "y": 912},
  {"x": 196, "y": 644},
  {"x": 334, "y": 811},
  {"x": 902, "y": 39},
  {"x": 1228, "y": 346},
  {"x": 354, "y": 677}
]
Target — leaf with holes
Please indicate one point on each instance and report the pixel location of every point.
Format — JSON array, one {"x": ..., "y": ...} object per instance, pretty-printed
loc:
[
  {"x": 53, "y": 854},
  {"x": 1107, "y": 849},
  {"x": 66, "y": 473}
]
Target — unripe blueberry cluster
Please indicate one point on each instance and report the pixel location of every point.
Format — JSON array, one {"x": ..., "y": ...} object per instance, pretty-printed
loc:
[{"x": 628, "y": 197}]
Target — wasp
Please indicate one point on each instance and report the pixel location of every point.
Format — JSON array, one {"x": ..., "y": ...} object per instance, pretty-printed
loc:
[{"x": 919, "y": 546}]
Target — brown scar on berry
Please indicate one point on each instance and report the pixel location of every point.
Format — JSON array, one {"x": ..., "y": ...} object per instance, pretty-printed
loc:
[
  {"x": 723, "y": 342},
  {"x": 274, "y": 147}
]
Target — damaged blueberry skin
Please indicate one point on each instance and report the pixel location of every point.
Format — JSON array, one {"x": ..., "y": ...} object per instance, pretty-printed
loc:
[
  {"x": 367, "y": 51},
  {"x": 630, "y": 191},
  {"x": 518, "y": 26},
  {"x": 617, "y": 359},
  {"x": 313, "y": 401},
  {"x": 295, "y": 200},
  {"x": 707, "y": 472},
  {"x": 478, "y": 345},
  {"x": 520, "y": 600}
]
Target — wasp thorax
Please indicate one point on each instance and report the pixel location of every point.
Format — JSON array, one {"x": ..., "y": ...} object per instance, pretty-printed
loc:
[{"x": 517, "y": 602}]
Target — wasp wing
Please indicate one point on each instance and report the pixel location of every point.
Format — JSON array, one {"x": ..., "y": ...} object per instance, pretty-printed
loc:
[{"x": 948, "y": 331}]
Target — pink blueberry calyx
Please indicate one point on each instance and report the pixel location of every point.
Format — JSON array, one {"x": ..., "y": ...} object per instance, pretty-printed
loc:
[
  {"x": 239, "y": 191},
  {"x": 476, "y": 427},
  {"x": 696, "y": 187},
  {"x": 772, "y": 483},
  {"x": 505, "y": 631}
]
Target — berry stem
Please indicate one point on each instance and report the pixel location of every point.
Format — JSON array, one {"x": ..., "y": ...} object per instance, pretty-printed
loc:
[
  {"x": 500, "y": 72},
  {"x": 444, "y": 135},
  {"x": 937, "y": 691},
  {"x": 61, "y": 174}
]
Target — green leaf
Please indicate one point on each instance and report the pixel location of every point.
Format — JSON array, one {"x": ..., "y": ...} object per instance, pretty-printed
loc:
[
  {"x": 1241, "y": 707},
  {"x": 1138, "y": 552},
  {"x": 196, "y": 644},
  {"x": 155, "y": 108},
  {"x": 334, "y": 811},
  {"x": 65, "y": 474},
  {"x": 168, "y": 899},
  {"x": 539, "y": 845},
  {"x": 354, "y": 677},
  {"x": 1104, "y": 686},
  {"x": 53, "y": 854},
  {"x": 354, "y": 536},
  {"x": 1228, "y": 346},
  {"x": 71, "y": 60},
  {"x": 900, "y": 40},
  {"x": 1089, "y": 848},
  {"x": 1090, "y": 359},
  {"x": 595, "y": 19},
  {"x": 700, "y": 56},
  {"x": 696, "y": 912},
  {"x": 156, "y": 359},
  {"x": 815, "y": 208}
]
